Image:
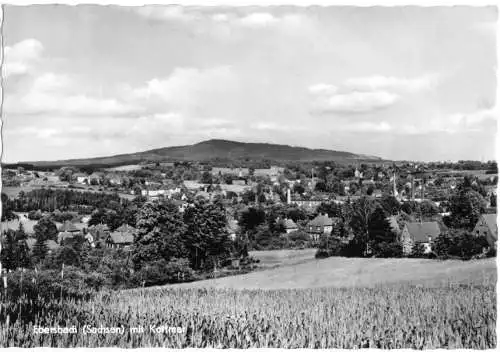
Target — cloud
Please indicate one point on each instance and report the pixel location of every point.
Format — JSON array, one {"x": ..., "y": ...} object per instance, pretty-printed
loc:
[
  {"x": 51, "y": 93},
  {"x": 452, "y": 123},
  {"x": 322, "y": 88},
  {"x": 192, "y": 91},
  {"x": 165, "y": 13},
  {"x": 355, "y": 101},
  {"x": 384, "y": 82},
  {"x": 258, "y": 19},
  {"x": 366, "y": 94},
  {"x": 20, "y": 58}
]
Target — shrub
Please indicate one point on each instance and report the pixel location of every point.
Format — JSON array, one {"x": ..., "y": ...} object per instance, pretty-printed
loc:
[
  {"x": 459, "y": 244},
  {"x": 48, "y": 284},
  {"x": 161, "y": 272},
  {"x": 387, "y": 250}
]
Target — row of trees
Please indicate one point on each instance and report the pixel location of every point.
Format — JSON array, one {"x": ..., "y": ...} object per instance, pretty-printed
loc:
[{"x": 48, "y": 200}]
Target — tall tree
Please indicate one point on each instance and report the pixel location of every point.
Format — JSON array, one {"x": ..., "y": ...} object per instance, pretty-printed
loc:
[
  {"x": 362, "y": 210},
  {"x": 206, "y": 236},
  {"x": 379, "y": 228},
  {"x": 159, "y": 232},
  {"x": 45, "y": 229},
  {"x": 466, "y": 206}
]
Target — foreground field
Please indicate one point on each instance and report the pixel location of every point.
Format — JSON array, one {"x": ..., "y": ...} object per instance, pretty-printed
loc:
[
  {"x": 369, "y": 303},
  {"x": 450, "y": 316},
  {"x": 358, "y": 272},
  {"x": 284, "y": 257}
]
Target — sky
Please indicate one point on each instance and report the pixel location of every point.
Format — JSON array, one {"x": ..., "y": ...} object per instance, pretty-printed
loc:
[{"x": 403, "y": 83}]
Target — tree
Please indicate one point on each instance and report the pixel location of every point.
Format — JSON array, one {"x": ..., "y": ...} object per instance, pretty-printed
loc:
[
  {"x": 250, "y": 218},
  {"x": 493, "y": 200},
  {"x": 160, "y": 228},
  {"x": 298, "y": 188},
  {"x": 7, "y": 211},
  {"x": 466, "y": 206},
  {"x": 40, "y": 250},
  {"x": 428, "y": 209},
  {"x": 8, "y": 254},
  {"x": 206, "y": 236},
  {"x": 362, "y": 210},
  {"x": 381, "y": 237},
  {"x": 390, "y": 204},
  {"x": 206, "y": 177},
  {"x": 45, "y": 229}
]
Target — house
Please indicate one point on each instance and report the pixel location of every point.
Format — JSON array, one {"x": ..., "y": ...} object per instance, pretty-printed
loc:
[
  {"x": 419, "y": 232},
  {"x": 65, "y": 237},
  {"x": 122, "y": 237},
  {"x": 289, "y": 225},
  {"x": 99, "y": 232},
  {"x": 487, "y": 226},
  {"x": 73, "y": 228},
  {"x": 81, "y": 178},
  {"x": 96, "y": 178},
  {"x": 321, "y": 224}
]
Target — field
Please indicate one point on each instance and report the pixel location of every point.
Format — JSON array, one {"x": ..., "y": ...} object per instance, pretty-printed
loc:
[
  {"x": 301, "y": 303},
  {"x": 133, "y": 167},
  {"x": 276, "y": 258},
  {"x": 356, "y": 272}
]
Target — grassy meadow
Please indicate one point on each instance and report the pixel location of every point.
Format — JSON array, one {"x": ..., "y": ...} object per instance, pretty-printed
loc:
[{"x": 449, "y": 305}]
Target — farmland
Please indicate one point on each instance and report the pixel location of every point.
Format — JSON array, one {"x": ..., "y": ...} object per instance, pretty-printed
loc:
[
  {"x": 356, "y": 272},
  {"x": 433, "y": 312}
]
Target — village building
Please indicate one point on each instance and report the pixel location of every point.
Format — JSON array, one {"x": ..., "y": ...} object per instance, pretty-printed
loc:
[
  {"x": 419, "y": 232},
  {"x": 487, "y": 226},
  {"x": 122, "y": 237},
  {"x": 320, "y": 225},
  {"x": 80, "y": 178}
]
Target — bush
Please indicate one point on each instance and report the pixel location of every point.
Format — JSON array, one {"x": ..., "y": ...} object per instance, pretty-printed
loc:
[
  {"x": 35, "y": 215},
  {"x": 48, "y": 284},
  {"x": 387, "y": 250},
  {"x": 418, "y": 251},
  {"x": 161, "y": 272},
  {"x": 459, "y": 244}
]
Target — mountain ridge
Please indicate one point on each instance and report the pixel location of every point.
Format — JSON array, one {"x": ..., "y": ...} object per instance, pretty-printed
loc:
[{"x": 214, "y": 149}]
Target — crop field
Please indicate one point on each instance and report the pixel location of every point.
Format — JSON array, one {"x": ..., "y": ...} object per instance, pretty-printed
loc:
[
  {"x": 284, "y": 257},
  {"x": 435, "y": 313},
  {"x": 351, "y": 272},
  {"x": 450, "y": 316}
]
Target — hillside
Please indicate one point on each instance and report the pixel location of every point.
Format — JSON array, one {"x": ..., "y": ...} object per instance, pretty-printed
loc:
[
  {"x": 358, "y": 272},
  {"x": 215, "y": 149}
]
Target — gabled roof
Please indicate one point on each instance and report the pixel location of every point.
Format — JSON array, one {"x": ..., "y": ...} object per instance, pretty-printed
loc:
[
  {"x": 491, "y": 221},
  {"x": 121, "y": 237},
  {"x": 99, "y": 228},
  {"x": 64, "y": 235},
  {"x": 68, "y": 226},
  {"x": 321, "y": 220},
  {"x": 420, "y": 231},
  {"x": 125, "y": 228}
]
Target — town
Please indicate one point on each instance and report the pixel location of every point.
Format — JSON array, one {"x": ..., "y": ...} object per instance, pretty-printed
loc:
[{"x": 155, "y": 223}]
